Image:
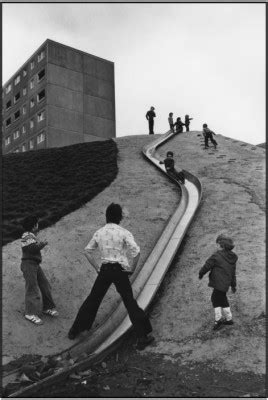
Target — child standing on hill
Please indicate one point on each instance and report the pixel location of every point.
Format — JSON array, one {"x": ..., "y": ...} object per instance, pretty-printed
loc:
[
  {"x": 207, "y": 133},
  {"x": 37, "y": 287},
  {"x": 170, "y": 121},
  {"x": 187, "y": 122},
  {"x": 169, "y": 165},
  {"x": 222, "y": 267}
]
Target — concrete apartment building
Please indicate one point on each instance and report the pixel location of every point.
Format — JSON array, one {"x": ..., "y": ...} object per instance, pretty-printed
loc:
[{"x": 60, "y": 96}]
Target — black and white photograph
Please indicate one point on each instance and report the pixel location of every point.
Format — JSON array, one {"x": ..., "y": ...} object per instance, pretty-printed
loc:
[{"x": 133, "y": 200}]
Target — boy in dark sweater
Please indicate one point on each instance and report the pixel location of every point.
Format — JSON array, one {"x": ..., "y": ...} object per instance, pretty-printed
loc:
[
  {"x": 169, "y": 165},
  {"x": 37, "y": 287},
  {"x": 208, "y": 134},
  {"x": 222, "y": 267}
]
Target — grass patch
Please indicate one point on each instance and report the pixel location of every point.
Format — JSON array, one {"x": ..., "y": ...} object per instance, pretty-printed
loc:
[{"x": 54, "y": 182}]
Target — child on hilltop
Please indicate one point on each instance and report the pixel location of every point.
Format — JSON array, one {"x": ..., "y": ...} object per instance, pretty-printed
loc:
[
  {"x": 207, "y": 133},
  {"x": 170, "y": 121},
  {"x": 179, "y": 125},
  {"x": 37, "y": 288},
  {"x": 169, "y": 165},
  {"x": 187, "y": 122},
  {"x": 222, "y": 267}
]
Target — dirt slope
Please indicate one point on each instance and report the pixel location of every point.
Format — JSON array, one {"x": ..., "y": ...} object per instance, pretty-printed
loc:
[
  {"x": 233, "y": 201},
  {"x": 149, "y": 200}
]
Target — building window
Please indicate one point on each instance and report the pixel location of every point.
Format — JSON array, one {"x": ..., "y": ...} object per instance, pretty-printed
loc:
[
  {"x": 24, "y": 109},
  {"x": 17, "y": 114},
  {"x": 17, "y": 80},
  {"x": 8, "y": 104},
  {"x": 41, "y": 95},
  {"x": 8, "y": 121},
  {"x": 41, "y": 116},
  {"x": 32, "y": 64},
  {"x": 7, "y": 141},
  {"x": 31, "y": 83},
  {"x": 16, "y": 134},
  {"x": 40, "y": 138},
  {"x": 24, "y": 72},
  {"x": 8, "y": 88},
  {"x": 23, "y": 147},
  {"x": 16, "y": 97},
  {"x": 31, "y": 123},
  {"x": 41, "y": 74},
  {"x": 41, "y": 56},
  {"x": 24, "y": 91},
  {"x": 31, "y": 144},
  {"x": 23, "y": 129},
  {"x": 32, "y": 103}
]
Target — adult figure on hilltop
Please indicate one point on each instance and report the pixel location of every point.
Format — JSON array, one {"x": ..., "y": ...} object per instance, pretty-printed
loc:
[
  {"x": 150, "y": 115},
  {"x": 207, "y": 133},
  {"x": 187, "y": 122},
  {"x": 113, "y": 243}
]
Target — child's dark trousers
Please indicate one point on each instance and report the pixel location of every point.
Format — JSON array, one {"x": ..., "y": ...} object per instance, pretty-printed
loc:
[
  {"x": 111, "y": 273},
  {"x": 219, "y": 299},
  {"x": 37, "y": 288},
  {"x": 213, "y": 141}
]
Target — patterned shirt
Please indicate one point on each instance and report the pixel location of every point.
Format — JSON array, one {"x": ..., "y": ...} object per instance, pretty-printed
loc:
[
  {"x": 31, "y": 247},
  {"x": 113, "y": 242}
]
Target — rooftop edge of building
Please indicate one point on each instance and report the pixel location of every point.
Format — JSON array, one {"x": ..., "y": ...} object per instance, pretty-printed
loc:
[{"x": 47, "y": 41}]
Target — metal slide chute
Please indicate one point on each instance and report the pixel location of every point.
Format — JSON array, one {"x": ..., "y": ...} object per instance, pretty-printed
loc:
[{"x": 104, "y": 338}]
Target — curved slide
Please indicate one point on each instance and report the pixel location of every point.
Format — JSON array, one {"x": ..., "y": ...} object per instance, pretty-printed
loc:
[{"x": 105, "y": 338}]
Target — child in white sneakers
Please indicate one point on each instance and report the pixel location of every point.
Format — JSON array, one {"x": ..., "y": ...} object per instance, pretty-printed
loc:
[
  {"x": 222, "y": 267},
  {"x": 37, "y": 288}
]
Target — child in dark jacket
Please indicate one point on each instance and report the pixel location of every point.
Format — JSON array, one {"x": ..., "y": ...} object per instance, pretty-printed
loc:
[
  {"x": 179, "y": 125},
  {"x": 208, "y": 134},
  {"x": 222, "y": 267},
  {"x": 37, "y": 289},
  {"x": 169, "y": 165}
]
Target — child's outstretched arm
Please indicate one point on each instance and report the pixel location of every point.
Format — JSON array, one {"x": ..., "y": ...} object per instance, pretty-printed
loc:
[
  {"x": 91, "y": 260},
  {"x": 209, "y": 264}
]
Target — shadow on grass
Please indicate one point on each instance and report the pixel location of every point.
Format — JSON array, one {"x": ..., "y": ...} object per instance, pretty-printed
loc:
[{"x": 51, "y": 183}]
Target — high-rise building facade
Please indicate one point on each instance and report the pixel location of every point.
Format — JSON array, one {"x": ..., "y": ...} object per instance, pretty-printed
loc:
[{"x": 60, "y": 96}]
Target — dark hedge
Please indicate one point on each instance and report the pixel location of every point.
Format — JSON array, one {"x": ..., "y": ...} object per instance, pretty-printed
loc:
[{"x": 54, "y": 182}]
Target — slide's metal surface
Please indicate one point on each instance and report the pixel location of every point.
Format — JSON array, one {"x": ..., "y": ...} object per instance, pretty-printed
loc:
[{"x": 105, "y": 338}]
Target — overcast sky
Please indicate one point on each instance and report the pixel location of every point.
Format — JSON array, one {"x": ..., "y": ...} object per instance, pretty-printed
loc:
[{"x": 206, "y": 60}]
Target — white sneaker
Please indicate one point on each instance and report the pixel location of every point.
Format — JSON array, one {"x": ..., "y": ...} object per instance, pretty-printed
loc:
[{"x": 34, "y": 319}]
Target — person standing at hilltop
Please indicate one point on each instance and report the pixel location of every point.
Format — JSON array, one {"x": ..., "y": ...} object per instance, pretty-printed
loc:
[
  {"x": 208, "y": 134},
  {"x": 170, "y": 121},
  {"x": 113, "y": 243},
  {"x": 222, "y": 268},
  {"x": 37, "y": 288},
  {"x": 150, "y": 115},
  {"x": 187, "y": 122}
]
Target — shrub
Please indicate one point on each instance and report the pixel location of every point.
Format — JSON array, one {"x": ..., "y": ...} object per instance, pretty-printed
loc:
[{"x": 54, "y": 182}]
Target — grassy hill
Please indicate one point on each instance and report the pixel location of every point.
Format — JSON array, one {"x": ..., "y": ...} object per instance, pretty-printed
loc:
[
  {"x": 54, "y": 182},
  {"x": 233, "y": 202}
]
